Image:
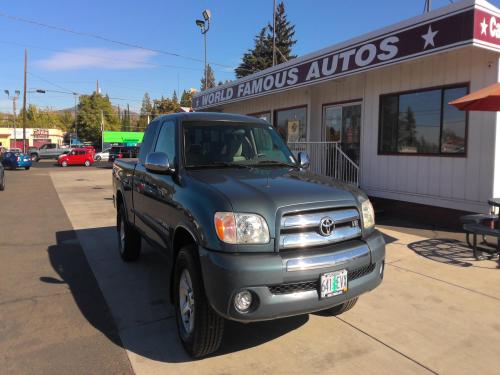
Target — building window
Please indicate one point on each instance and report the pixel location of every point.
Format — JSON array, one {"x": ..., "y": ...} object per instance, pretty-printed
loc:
[
  {"x": 291, "y": 124},
  {"x": 423, "y": 122},
  {"x": 266, "y": 116},
  {"x": 342, "y": 124}
]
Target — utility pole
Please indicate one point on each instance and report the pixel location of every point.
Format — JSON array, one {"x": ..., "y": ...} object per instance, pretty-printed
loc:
[
  {"x": 97, "y": 87},
  {"x": 102, "y": 130},
  {"x": 24, "y": 98},
  {"x": 76, "y": 126},
  {"x": 274, "y": 32},
  {"x": 14, "y": 100}
]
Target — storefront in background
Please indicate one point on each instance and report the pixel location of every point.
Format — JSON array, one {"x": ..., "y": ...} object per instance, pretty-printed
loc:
[
  {"x": 111, "y": 138},
  {"x": 382, "y": 100},
  {"x": 34, "y": 137}
]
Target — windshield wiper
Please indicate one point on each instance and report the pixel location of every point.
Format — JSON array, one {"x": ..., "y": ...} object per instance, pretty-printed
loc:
[
  {"x": 218, "y": 165},
  {"x": 277, "y": 163}
]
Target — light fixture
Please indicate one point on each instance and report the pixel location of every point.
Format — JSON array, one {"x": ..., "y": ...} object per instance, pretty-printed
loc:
[
  {"x": 243, "y": 301},
  {"x": 200, "y": 23},
  {"x": 207, "y": 14},
  {"x": 18, "y": 92},
  {"x": 6, "y": 92}
]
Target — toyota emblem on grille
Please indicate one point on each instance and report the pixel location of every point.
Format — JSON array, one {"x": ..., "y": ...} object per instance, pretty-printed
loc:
[{"x": 326, "y": 226}]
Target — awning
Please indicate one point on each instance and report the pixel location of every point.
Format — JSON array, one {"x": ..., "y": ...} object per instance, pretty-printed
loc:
[{"x": 485, "y": 99}]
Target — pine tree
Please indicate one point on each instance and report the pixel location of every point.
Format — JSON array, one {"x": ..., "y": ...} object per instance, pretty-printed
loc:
[
  {"x": 261, "y": 56},
  {"x": 146, "y": 110},
  {"x": 174, "y": 97},
  {"x": 285, "y": 32},
  {"x": 210, "y": 79}
]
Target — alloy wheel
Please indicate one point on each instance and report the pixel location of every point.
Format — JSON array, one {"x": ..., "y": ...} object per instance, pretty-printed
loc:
[{"x": 186, "y": 302}]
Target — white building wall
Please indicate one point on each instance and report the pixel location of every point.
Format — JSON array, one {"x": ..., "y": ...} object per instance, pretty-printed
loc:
[
  {"x": 463, "y": 183},
  {"x": 455, "y": 182}
]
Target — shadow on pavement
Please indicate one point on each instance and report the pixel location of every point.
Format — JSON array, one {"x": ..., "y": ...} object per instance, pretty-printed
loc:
[
  {"x": 447, "y": 251},
  {"x": 134, "y": 298}
]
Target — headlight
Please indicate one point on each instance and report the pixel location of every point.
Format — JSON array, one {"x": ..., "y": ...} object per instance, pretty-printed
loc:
[
  {"x": 368, "y": 214},
  {"x": 240, "y": 228}
]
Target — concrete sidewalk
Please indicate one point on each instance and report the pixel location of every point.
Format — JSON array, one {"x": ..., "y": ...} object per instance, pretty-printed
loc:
[{"x": 436, "y": 311}]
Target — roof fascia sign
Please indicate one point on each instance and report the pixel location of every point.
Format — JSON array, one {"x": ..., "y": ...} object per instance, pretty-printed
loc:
[{"x": 465, "y": 23}]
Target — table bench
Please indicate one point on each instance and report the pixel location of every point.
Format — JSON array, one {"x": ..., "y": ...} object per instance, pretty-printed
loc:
[{"x": 483, "y": 230}]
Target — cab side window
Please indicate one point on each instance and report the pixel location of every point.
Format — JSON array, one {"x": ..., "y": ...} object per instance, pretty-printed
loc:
[
  {"x": 148, "y": 141},
  {"x": 166, "y": 140}
]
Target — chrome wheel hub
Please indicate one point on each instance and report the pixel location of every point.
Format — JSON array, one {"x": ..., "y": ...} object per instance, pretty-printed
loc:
[{"x": 186, "y": 301}]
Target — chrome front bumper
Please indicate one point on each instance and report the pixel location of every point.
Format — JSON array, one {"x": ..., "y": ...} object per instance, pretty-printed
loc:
[{"x": 225, "y": 274}]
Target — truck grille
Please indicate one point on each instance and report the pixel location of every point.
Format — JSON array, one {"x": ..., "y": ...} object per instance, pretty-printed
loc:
[
  {"x": 318, "y": 228},
  {"x": 305, "y": 286}
]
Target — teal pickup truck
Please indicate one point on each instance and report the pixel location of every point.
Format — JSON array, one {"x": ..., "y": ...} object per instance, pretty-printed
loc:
[{"x": 249, "y": 232}]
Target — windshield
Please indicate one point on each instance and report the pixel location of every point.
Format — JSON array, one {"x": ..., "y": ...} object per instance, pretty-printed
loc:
[{"x": 213, "y": 143}]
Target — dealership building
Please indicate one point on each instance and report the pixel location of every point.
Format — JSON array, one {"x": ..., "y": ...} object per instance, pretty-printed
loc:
[{"x": 374, "y": 110}]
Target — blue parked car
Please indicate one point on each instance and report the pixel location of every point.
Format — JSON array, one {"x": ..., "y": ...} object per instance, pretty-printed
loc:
[{"x": 14, "y": 160}]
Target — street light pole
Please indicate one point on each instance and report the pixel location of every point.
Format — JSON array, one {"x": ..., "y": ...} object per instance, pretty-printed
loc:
[
  {"x": 274, "y": 32},
  {"x": 204, "y": 25},
  {"x": 206, "y": 71}
]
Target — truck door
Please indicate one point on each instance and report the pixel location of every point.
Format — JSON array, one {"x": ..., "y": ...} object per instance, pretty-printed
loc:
[
  {"x": 141, "y": 186},
  {"x": 160, "y": 189}
]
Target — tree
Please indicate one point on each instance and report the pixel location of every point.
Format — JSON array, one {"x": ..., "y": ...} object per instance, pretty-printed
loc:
[
  {"x": 186, "y": 98},
  {"x": 146, "y": 110},
  {"x": 174, "y": 97},
  {"x": 125, "y": 121},
  {"x": 210, "y": 79},
  {"x": 165, "y": 106},
  {"x": 261, "y": 56},
  {"x": 88, "y": 120}
]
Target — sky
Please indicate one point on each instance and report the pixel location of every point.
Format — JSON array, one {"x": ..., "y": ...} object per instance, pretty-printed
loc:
[{"x": 65, "y": 61}]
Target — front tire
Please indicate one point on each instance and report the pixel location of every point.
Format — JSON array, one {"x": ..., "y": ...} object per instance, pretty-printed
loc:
[
  {"x": 340, "y": 309},
  {"x": 2, "y": 185},
  {"x": 98, "y": 158},
  {"x": 27, "y": 168},
  {"x": 129, "y": 240},
  {"x": 64, "y": 164},
  {"x": 34, "y": 157},
  {"x": 200, "y": 328},
  {"x": 87, "y": 163}
]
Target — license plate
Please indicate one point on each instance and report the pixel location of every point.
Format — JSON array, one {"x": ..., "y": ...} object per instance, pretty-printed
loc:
[{"x": 333, "y": 283}]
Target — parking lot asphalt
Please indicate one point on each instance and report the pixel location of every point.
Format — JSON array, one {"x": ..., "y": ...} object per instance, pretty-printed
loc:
[
  {"x": 53, "y": 317},
  {"x": 435, "y": 312}
]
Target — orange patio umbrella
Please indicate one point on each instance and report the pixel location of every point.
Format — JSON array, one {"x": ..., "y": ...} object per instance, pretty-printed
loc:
[{"x": 485, "y": 99}]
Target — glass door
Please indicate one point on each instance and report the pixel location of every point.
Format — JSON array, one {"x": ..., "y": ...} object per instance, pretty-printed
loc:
[{"x": 342, "y": 123}]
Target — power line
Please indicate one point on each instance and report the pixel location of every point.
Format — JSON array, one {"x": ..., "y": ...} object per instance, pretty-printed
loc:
[
  {"x": 109, "y": 59},
  {"x": 102, "y": 38}
]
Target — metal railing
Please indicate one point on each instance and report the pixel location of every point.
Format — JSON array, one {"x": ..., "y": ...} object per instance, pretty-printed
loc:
[{"x": 327, "y": 158}]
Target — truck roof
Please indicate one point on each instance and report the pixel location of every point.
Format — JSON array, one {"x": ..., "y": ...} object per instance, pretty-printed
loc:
[{"x": 212, "y": 116}]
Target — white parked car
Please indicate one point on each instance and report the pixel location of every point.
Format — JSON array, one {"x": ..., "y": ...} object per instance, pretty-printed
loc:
[{"x": 103, "y": 155}]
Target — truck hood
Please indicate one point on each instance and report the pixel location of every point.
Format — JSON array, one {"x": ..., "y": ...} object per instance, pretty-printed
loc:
[{"x": 265, "y": 190}]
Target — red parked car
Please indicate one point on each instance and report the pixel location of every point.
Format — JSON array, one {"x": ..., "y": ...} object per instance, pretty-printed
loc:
[{"x": 77, "y": 156}]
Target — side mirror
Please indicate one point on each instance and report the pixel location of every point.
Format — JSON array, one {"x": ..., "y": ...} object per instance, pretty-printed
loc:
[
  {"x": 158, "y": 162},
  {"x": 303, "y": 160}
]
